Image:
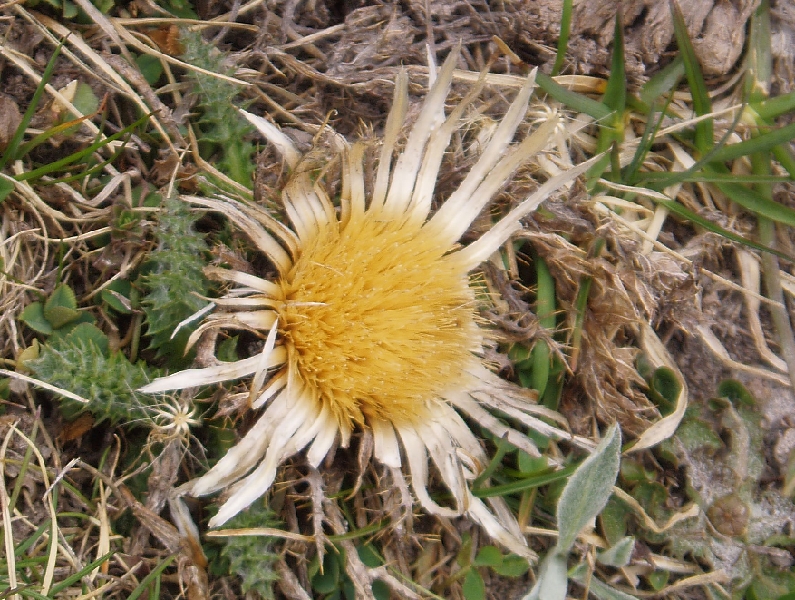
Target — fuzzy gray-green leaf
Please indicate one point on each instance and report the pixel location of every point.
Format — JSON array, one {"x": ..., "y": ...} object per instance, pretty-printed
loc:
[
  {"x": 588, "y": 489},
  {"x": 552, "y": 582},
  {"x": 601, "y": 590},
  {"x": 619, "y": 554}
]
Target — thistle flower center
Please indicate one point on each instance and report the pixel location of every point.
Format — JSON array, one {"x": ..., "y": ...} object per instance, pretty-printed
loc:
[{"x": 378, "y": 322}]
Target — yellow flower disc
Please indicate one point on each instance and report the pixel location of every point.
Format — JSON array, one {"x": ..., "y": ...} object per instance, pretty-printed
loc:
[{"x": 377, "y": 320}]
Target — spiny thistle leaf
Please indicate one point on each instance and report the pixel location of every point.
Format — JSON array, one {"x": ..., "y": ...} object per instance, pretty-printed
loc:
[
  {"x": 252, "y": 556},
  {"x": 80, "y": 362},
  {"x": 174, "y": 278},
  {"x": 221, "y": 125}
]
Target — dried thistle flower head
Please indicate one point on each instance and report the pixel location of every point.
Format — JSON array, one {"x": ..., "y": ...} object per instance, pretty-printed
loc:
[{"x": 371, "y": 321}]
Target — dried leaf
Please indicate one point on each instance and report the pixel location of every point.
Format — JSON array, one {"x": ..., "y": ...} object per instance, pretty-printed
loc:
[
  {"x": 658, "y": 357},
  {"x": 10, "y": 118}
]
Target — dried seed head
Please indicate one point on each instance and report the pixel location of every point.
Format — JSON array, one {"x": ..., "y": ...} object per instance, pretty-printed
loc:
[{"x": 729, "y": 515}]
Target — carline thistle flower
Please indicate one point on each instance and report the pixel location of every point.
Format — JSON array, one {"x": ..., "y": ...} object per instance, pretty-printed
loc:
[{"x": 371, "y": 322}]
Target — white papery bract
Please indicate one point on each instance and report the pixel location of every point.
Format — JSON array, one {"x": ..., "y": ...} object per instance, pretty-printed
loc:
[{"x": 371, "y": 320}]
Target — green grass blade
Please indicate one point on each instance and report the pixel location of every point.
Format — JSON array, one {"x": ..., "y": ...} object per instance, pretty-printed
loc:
[
  {"x": 772, "y": 108},
  {"x": 523, "y": 484},
  {"x": 13, "y": 145},
  {"x": 685, "y": 213},
  {"x": 539, "y": 375},
  {"x": 59, "y": 129},
  {"x": 695, "y": 79},
  {"x": 365, "y": 531},
  {"x": 663, "y": 82},
  {"x": 615, "y": 98},
  {"x": 757, "y": 203},
  {"x": 563, "y": 40},
  {"x": 580, "y": 308},
  {"x": 20, "y": 482},
  {"x": 27, "y": 592},
  {"x": 7, "y": 185},
  {"x": 75, "y": 577},
  {"x": 97, "y": 168},
  {"x": 759, "y": 143},
  {"x": 572, "y": 100},
  {"x": 705, "y": 162},
  {"x": 151, "y": 576},
  {"x": 657, "y": 177},
  {"x": 546, "y": 294},
  {"x": 783, "y": 154},
  {"x": 759, "y": 63},
  {"x": 32, "y": 538},
  {"x": 77, "y": 156},
  {"x": 502, "y": 448},
  {"x": 644, "y": 146},
  {"x": 545, "y": 309},
  {"x": 759, "y": 68}
]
